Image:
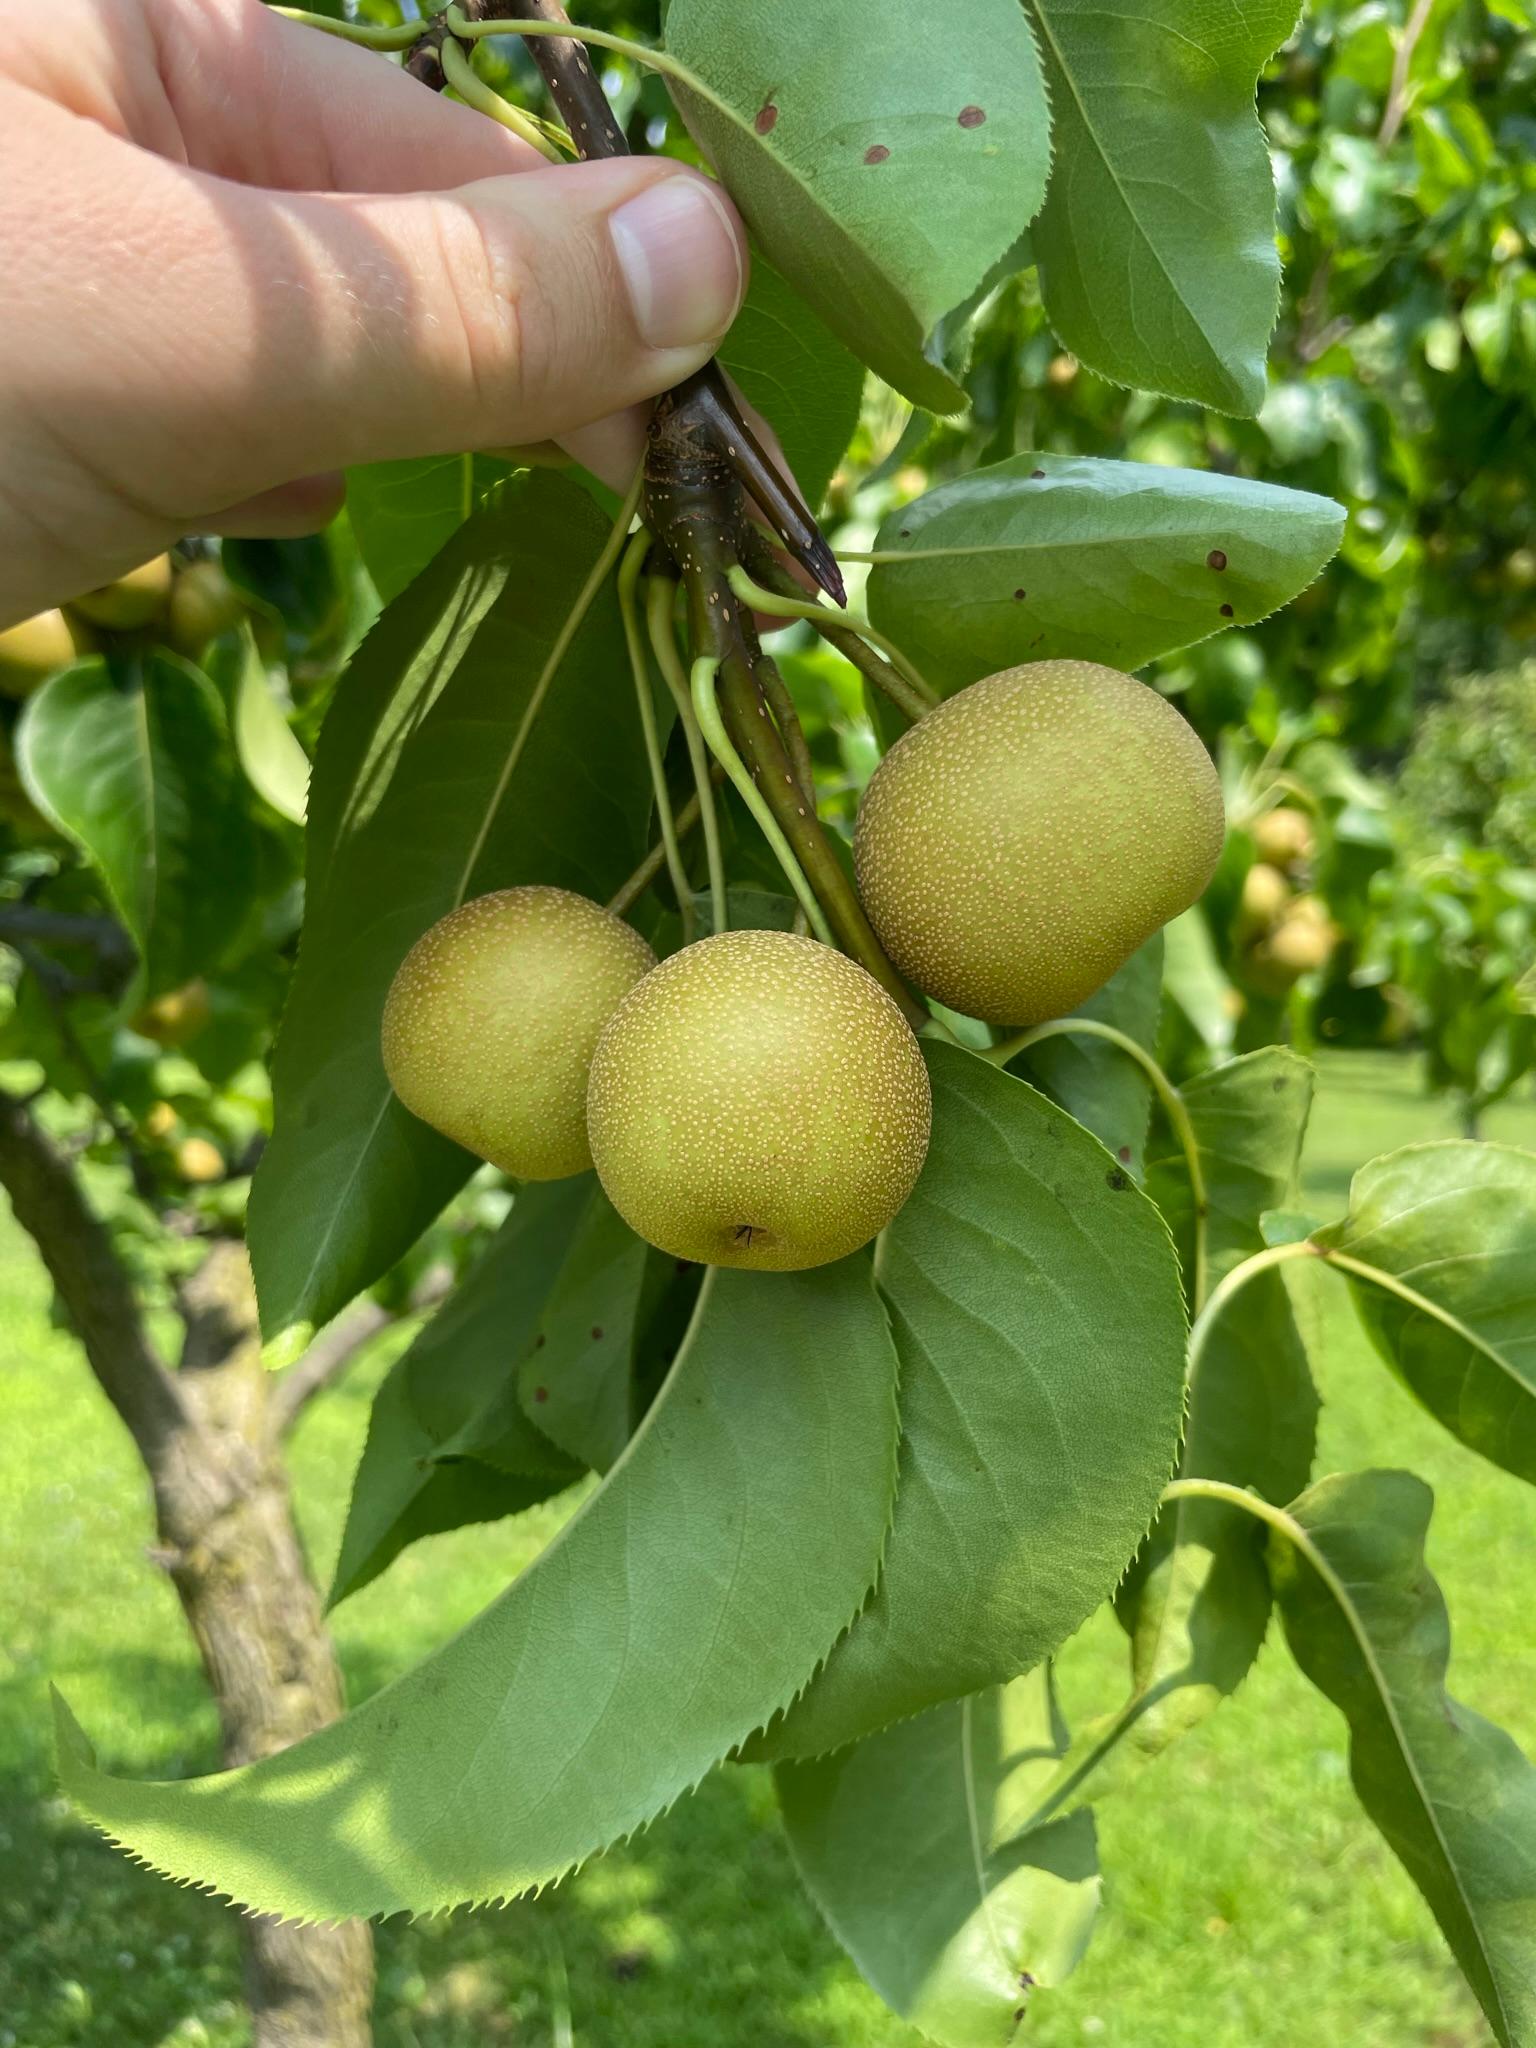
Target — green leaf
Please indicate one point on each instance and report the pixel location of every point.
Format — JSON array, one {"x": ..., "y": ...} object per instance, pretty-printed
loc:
[
  {"x": 403, "y": 513},
  {"x": 1454, "y": 1797},
  {"x": 799, "y": 376},
  {"x": 1156, "y": 245},
  {"x": 133, "y": 761},
  {"x": 894, "y": 1838},
  {"x": 1450, "y": 1229},
  {"x": 275, "y": 764},
  {"x": 1195, "y": 982},
  {"x": 1061, "y": 555},
  {"x": 881, "y": 172},
  {"x": 1196, "y": 1601},
  {"x": 479, "y": 739},
  {"x": 1095, "y": 1081},
  {"x": 575, "y": 1383},
  {"x": 454, "y": 1385},
  {"x": 1035, "y": 1304},
  {"x": 690, "y": 1597}
]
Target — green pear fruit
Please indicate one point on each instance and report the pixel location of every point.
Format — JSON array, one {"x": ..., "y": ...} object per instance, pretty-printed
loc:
[
  {"x": 491, "y": 1020},
  {"x": 32, "y": 650},
  {"x": 1018, "y": 844},
  {"x": 175, "y": 1018},
  {"x": 1302, "y": 943},
  {"x": 1266, "y": 892},
  {"x": 1283, "y": 837},
  {"x": 132, "y": 601},
  {"x": 758, "y": 1101},
  {"x": 204, "y": 604}
]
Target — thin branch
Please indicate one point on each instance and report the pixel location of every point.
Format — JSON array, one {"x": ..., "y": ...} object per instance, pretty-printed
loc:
[
  {"x": 1397, "y": 91},
  {"x": 338, "y": 1347},
  {"x": 91, "y": 1281}
]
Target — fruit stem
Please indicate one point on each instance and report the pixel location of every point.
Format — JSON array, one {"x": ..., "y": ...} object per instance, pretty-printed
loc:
[
  {"x": 707, "y": 709},
  {"x": 787, "y": 719},
  {"x": 400, "y": 36},
  {"x": 628, "y": 895},
  {"x": 473, "y": 90},
  {"x": 629, "y": 577},
  {"x": 896, "y": 676},
  {"x": 1174, "y": 1106},
  {"x": 659, "y": 596}
]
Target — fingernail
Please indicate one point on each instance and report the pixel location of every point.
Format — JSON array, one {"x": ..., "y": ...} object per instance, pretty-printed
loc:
[{"x": 681, "y": 261}]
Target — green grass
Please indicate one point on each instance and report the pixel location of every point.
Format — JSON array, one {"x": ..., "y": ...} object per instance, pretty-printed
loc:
[{"x": 1248, "y": 1903}]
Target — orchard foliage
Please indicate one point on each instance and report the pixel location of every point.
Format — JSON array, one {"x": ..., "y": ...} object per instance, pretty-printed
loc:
[{"x": 845, "y": 1518}]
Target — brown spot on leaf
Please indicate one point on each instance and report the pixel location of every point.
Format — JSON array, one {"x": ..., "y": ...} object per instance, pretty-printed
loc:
[
  {"x": 1124, "y": 1155},
  {"x": 1037, "y": 472},
  {"x": 541, "y": 1393},
  {"x": 596, "y": 1333},
  {"x": 972, "y": 117},
  {"x": 876, "y": 153},
  {"x": 1019, "y": 596},
  {"x": 767, "y": 119},
  {"x": 1226, "y": 611},
  {"x": 1117, "y": 1180},
  {"x": 538, "y": 1342},
  {"x": 1216, "y": 559}
]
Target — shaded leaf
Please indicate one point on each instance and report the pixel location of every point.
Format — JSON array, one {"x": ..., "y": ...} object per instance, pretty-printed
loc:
[
  {"x": 1156, "y": 245},
  {"x": 133, "y": 761},
  {"x": 403, "y": 513},
  {"x": 576, "y": 1381},
  {"x": 1453, "y": 1224},
  {"x": 1196, "y": 983},
  {"x": 1452, "y": 1794},
  {"x": 1035, "y": 1305},
  {"x": 894, "y": 1838},
  {"x": 1063, "y": 555},
  {"x": 882, "y": 174},
  {"x": 687, "y": 1600},
  {"x": 275, "y": 764},
  {"x": 478, "y": 740},
  {"x": 1095, "y": 1081},
  {"x": 454, "y": 1383}
]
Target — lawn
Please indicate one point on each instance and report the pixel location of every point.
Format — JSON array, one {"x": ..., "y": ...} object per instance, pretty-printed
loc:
[{"x": 1248, "y": 1903}]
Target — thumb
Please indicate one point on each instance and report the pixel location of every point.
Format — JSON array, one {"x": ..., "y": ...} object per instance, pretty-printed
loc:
[
  {"x": 512, "y": 310},
  {"x": 254, "y": 336}
]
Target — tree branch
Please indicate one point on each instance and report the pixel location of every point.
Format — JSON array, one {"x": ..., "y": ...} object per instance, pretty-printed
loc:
[
  {"x": 1397, "y": 91},
  {"x": 335, "y": 1349},
  {"x": 92, "y": 1284}
]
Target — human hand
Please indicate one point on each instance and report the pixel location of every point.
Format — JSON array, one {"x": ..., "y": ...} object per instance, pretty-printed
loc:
[{"x": 240, "y": 256}]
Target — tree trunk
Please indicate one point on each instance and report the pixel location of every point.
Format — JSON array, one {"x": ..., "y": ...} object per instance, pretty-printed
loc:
[
  {"x": 236, "y": 1561},
  {"x": 211, "y": 1441}
]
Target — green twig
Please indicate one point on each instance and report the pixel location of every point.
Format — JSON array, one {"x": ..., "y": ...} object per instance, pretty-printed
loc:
[
  {"x": 628, "y": 894},
  {"x": 902, "y": 682},
  {"x": 474, "y": 92},
  {"x": 1173, "y": 1104},
  {"x": 659, "y": 598},
  {"x": 712, "y": 725},
  {"x": 629, "y": 577},
  {"x": 398, "y": 36}
]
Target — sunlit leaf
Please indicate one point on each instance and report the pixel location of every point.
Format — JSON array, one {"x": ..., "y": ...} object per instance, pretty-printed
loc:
[
  {"x": 895, "y": 1840},
  {"x": 689, "y": 1598},
  {"x": 403, "y": 513},
  {"x": 882, "y": 174},
  {"x": 1156, "y": 245},
  {"x": 1452, "y": 1228},
  {"x": 1035, "y": 1303},
  {"x": 1453, "y": 1795},
  {"x": 1058, "y": 555}
]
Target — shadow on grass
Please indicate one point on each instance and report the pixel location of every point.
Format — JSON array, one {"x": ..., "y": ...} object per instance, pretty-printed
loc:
[{"x": 694, "y": 1935}]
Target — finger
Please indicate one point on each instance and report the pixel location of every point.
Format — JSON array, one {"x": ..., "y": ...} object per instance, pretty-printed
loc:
[
  {"x": 287, "y": 512},
  {"x": 258, "y": 336},
  {"x": 228, "y": 87}
]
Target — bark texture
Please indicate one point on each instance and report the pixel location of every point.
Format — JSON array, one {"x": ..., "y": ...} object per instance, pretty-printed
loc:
[{"x": 210, "y": 1437}]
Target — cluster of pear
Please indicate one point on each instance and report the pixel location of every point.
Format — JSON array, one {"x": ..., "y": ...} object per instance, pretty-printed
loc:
[
  {"x": 1284, "y": 930},
  {"x": 758, "y": 1099},
  {"x": 185, "y": 605}
]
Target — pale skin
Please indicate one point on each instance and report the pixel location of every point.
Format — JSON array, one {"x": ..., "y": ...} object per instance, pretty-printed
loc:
[{"x": 239, "y": 257}]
